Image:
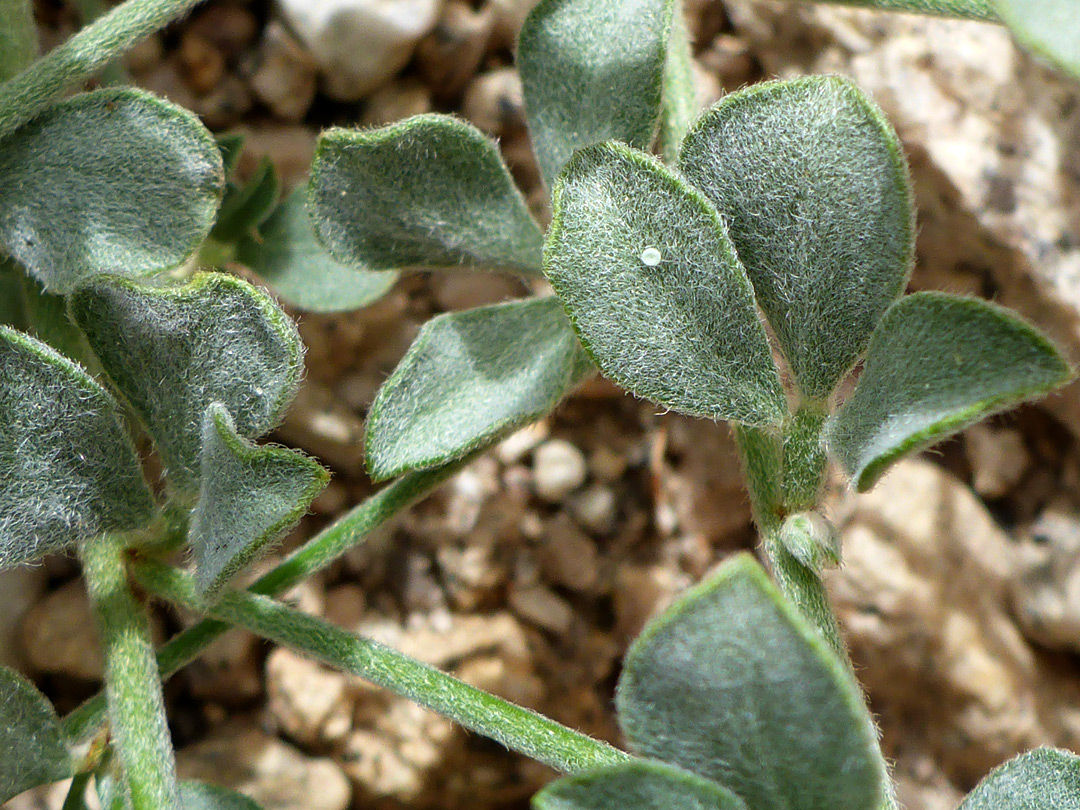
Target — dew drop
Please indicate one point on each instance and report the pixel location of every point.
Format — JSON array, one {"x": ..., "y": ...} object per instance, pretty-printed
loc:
[{"x": 650, "y": 257}]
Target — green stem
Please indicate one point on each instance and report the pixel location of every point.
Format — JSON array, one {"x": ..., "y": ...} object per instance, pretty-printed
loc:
[
  {"x": 18, "y": 37},
  {"x": 86, "y": 52},
  {"x": 316, "y": 554},
  {"x": 517, "y": 728},
  {"x": 76, "y": 796},
  {"x": 962, "y": 9},
  {"x": 132, "y": 684}
]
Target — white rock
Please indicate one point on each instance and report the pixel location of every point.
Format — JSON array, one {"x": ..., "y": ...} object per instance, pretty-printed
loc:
[
  {"x": 558, "y": 469},
  {"x": 307, "y": 701},
  {"x": 285, "y": 78},
  {"x": 359, "y": 44},
  {"x": 998, "y": 457}
]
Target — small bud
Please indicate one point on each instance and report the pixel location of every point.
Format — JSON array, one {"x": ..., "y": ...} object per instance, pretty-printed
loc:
[{"x": 812, "y": 540}]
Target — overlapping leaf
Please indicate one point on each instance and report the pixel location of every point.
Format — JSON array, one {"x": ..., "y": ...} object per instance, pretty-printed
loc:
[
  {"x": 937, "y": 364},
  {"x": 469, "y": 379},
  {"x": 731, "y": 683},
  {"x": 249, "y": 497},
  {"x": 811, "y": 181},
  {"x": 201, "y": 796},
  {"x": 68, "y": 470},
  {"x": 637, "y": 785},
  {"x": 1051, "y": 28},
  {"x": 430, "y": 191},
  {"x": 593, "y": 71},
  {"x": 35, "y": 751},
  {"x": 648, "y": 275},
  {"x": 1044, "y": 779},
  {"x": 106, "y": 182},
  {"x": 247, "y": 206},
  {"x": 293, "y": 262},
  {"x": 175, "y": 350}
]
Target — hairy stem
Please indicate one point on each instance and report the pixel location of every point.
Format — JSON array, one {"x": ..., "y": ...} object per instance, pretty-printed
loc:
[
  {"x": 314, "y": 555},
  {"x": 961, "y": 9},
  {"x": 76, "y": 796},
  {"x": 132, "y": 686},
  {"x": 517, "y": 728},
  {"x": 18, "y": 37},
  {"x": 89, "y": 10},
  {"x": 84, "y": 54}
]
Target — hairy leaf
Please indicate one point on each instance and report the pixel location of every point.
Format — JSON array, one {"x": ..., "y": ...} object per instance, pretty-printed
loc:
[
  {"x": 733, "y": 684},
  {"x": 201, "y": 796},
  {"x": 1051, "y": 28},
  {"x": 592, "y": 71},
  {"x": 247, "y": 206},
  {"x": 811, "y": 181},
  {"x": 1044, "y": 779},
  {"x": 35, "y": 751},
  {"x": 249, "y": 497},
  {"x": 291, "y": 260},
  {"x": 637, "y": 785},
  {"x": 174, "y": 350},
  {"x": 430, "y": 191},
  {"x": 68, "y": 470},
  {"x": 936, "y": 364},
  {"x": 469, "y": 379},
  {"x": 645, "y": 269},
  {"x": 106, "y": 182},
  {"x": 47, "y": 319}
]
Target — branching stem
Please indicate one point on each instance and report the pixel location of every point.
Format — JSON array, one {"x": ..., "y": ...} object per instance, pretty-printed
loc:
[{"x": 517, "y": 728}]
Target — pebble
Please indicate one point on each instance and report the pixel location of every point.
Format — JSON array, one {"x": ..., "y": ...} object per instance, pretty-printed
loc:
[
  {"x": 507, "y": 18},
  {"x": 320, "y": 425},
  {"x": 558, "y": 469},
  {"x": 275, "y": 775},
  {"x": 399, "y": 99},
  {"x": 307, "y": 702},
  {"x": 1047, "y": 589},
  {"x": 494, "y": 101},
  {"x": 231, "y": 27},
  {"x": 567, "y": 556},
  {"x": 21, "y": 587},
  {"x": 59, "y": 635},
  {"x": 519, "y": 444},
  {"x": 202, "y": 63},
  {"x": 359, "y": 44},
  {"x": 999, "y": 458},
  {"x": 543, "y": 607},
  {"x": 641, "y": 592},
  {"x": 450, "y": 55},
  {"x": 285, "y": 78},
  {"x": 595, "y": 509}
]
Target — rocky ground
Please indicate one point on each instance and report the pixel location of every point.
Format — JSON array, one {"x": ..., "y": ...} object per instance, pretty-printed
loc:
[{"x": 530, "y": 571}]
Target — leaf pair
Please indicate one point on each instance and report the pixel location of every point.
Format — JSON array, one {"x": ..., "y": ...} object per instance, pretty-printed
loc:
[
  {"x": 432, "y": 192},
  {"x": 740, "y": 704},
  {"x": 206, "y": 366},
  {"x": 792, "y": 197}
]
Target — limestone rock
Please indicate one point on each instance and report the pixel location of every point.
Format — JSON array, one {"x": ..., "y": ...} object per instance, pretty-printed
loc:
[
  {"x": 285, "y": 78},
  {"x": 1047, "y": 590},
  {"x": 558, "y": 469},
  {"x": 359, "y": 44},
  {"x": 307, "y": 701}
]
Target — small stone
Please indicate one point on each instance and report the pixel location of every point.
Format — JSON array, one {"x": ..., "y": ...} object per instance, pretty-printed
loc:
[
  {"x": 231, "y": 27},
  {"x": 274, "y": 774},
  {"x": 999, "y": 458},
  {"x": 225, "y": 104},
  {"x": 641, "y": 592},
  {"x": 542, "y": 607},
  {"x": 606, "y": 464},
  {"x": 308, "y": 703},
  {"x": 227, "y": 672},
  {"x": 730, "y": 60},
  {"x": 396, "y": 100},
  {"x": 567, "y": 557},
  {"x": 449, "y": 56},
  {"x": 507, "y": 18},
  {"x": 359, "y": 44},
  {"x": 285, "y": 78},
  {"x": 494, "y": 101},
  {"x": 519, "y": 444},
  {"x": 558, "y": 469},
  {"x": 202, "y": 63},
  {"x": 595, "y": 509},
  {"x": 59, "y": 635},
  {"x": 1047, "y": 590},
  {"x": 318, "y": 424}
]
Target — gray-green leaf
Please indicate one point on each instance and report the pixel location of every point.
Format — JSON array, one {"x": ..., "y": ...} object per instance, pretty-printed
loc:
[
  {"x": 1051, "y": 28},
  {"x": 247, "y": 206},
  {"x": 1044, "y": 779},
  {"x": 469, "y": 379},
  {"x": 201, "y": 796},
  {"x": 637, "y": 785},
  {"x": 592, "y": 71},
  {"x": 292, "y": 261},
  {"x": 936, "y": 364},
  {"x": 655, "y": 291},
  {"x": 68, "y": 471},
  {"x": 430, "y": 191},
  {"x": 106, "y": 182},
  {"x": 35, "y": 751},
  {"x": 731, "y": 683},
  {"x": 174, "y": 350},
  {"x": 813, "y": 186},
  {"x": 249, "y": 496}
]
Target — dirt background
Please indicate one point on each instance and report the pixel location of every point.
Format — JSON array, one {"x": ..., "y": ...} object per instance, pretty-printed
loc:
[{"x": 531, "y": 570}]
